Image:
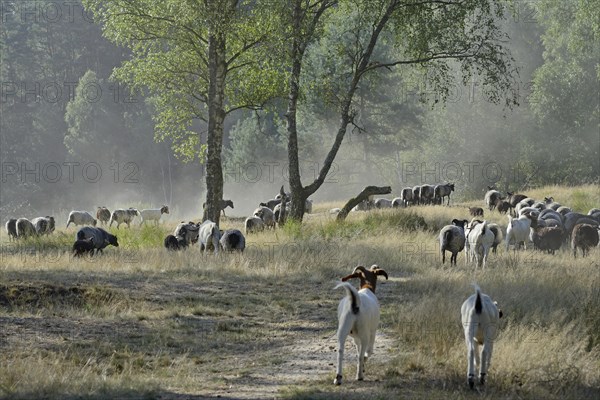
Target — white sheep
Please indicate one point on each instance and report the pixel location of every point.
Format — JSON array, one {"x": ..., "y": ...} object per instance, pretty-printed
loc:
[
  {"x": 153, "y": 214},
  {"x": 358, "y": 316},
  {"x": 81, "y": 218},
  {"x": 253, "y": 224},
  {"x": 209, "y": 236},
  {"x": 519, "y": 228},
  {"x": 121, "y": 216},
  {"x": 480, "y": 239},
  {"x": 480, "y": 317}
]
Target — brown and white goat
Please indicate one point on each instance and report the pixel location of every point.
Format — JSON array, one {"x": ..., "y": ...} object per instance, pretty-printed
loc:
[{"x": 358, "y": 316}]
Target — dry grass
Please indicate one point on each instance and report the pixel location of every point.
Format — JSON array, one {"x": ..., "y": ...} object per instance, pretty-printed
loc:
[{"x": 139, "y": 322}]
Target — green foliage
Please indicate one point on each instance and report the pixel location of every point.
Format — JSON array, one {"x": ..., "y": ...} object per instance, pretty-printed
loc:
[{"x": 170, "y": 59}]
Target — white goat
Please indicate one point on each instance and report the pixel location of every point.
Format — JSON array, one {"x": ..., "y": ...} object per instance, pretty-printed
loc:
[
  {"x": 153, "y": 214},
  {"x": 518, "y": 228},
  {"x": 480, "y": 239},
  {"x": 358, "y": 315},
  {"x": 209, "y": 236},
  {"x": 480, "y": 317}
]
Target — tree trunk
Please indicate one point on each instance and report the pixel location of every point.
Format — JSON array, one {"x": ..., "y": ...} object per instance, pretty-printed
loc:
[
  {"x": 364, "y": 195},
  {"x": 297, "y": 52},
  {"x": 216, "y": 116},
  {"x": 299, "y": 42}
]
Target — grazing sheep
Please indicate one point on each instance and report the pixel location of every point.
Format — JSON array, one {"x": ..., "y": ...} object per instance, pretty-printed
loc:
[
  {"x": 224, "y": 204},
  {"x": 232, "y": 240},
  {"x": 187, "y": 230},
  {"x": 491, "y": 198},
  {"x": 80, "y": 247},
  {"x": 518, "y": 229},
  {"x": 480, "y": 317},
  {"x": 397, "y": 202},
  {"x": 452, "y": 239},
  {"x": 153, "y": 214},
  {"x": 571, "y": 219},
  {"x": 364, "y": 205},
  {"x": 407, "y": 196},
  {"x": 100, "y": 236},
  {"x": 267, "y": 215},
  {"x": 497, "y": 236},
  {"x": 383, "y": 203},
  {"x": 308, "y": 206},
  {"x": 480, "y": 239},
  {"x": 416, "y": 195},
  {"x": 563, "y": 210},
  {"x": 358, "y": 316},
  {"x": 81, "y": 218},
  {"x": 548, "y": 239},
  {"x": 584, "y": 236},
  {"x": 515, "y": 199},
  {"x": 11, "y": 228},
  {"x": 594, "y": 211},
  {"x": 173, "y": 242},
  {"x": 103, "y": 215},
  {"x": 44, "y": 225},
  {"x": 25, "y": 228},
  {"x": 539, "y": 205},
  {"x": 209, "y": 236},
  {"x": 121, "y": 216},
  {"x": 503, "y": 206},
  {"x": 550, "y": 214},
  {"x": 426, "y": 194},
  {"x": 527, "y": 210},
  {"x": 441, "y": 191},
  {"x": 253, "y": 224},
  {"x": 476, "y": 211}
]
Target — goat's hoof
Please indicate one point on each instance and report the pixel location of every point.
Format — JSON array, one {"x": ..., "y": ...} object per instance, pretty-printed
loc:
[
  {"x": 337, "y": 380},
  {"x": 360, "y": 378},
  {"x": 471, "y": 381},
  {"x": 482, "y": 379}
]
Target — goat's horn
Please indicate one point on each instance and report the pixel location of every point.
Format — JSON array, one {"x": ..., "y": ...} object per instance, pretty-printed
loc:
[
  {"x": 351, "y": 276},
  {"x": 361, "y": 269},
  {"x": 379, "y": 271}
]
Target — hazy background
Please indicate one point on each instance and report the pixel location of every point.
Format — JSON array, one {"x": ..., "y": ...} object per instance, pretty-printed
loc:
[{"x": 72, "y": 139}]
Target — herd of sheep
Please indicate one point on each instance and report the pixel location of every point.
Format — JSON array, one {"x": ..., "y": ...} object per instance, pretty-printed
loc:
[{"x": 547, "y": 224}]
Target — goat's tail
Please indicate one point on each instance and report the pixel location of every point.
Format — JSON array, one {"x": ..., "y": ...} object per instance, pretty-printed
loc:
[
  {"x": 352, "y": 294},
  {"x": 478, "y": 305}
]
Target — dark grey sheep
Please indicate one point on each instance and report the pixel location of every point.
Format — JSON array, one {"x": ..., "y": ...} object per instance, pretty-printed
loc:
[
  {"x": 25, "y": 228},
  {"x": 452, "y": 239},
  {"x": 584, "y": 236},
  {"x": 100, "y": 236},
  {"x": 233, "y": 240},
  {"x": 548, "y": 239}
]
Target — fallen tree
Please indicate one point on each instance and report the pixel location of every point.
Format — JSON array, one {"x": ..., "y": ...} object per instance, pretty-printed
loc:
[{"x": 362, "y": 196}]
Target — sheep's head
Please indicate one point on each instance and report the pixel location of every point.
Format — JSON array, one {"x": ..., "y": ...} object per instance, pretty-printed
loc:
[
  {"x": 368, "y": 277},
  {"x": 451, "y": 186},
  {"x": 548, "y": 200},
  {"x": 164, "y": 210},
  {"x": 459, "y": 223},
  {"x": 229, "y": 203}
]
